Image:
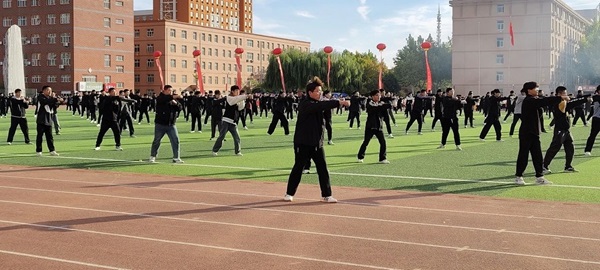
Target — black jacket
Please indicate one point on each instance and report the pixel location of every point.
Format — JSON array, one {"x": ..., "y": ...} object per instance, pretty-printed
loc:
[
  {"x": 110, "y": 108},
  {"x": 279, "y": 104},
  {"x": 449, "y": 107},
  {"x": 530, "y": 119},
  {"x": 17, "y": 107},
  {"x": 310, "y": 123},
  {"x": 375, "y": 113},
  {"x": 561, "y": 119},
  {"x": 44, "y": 109},
  {"x": 166, "y": 112},
  {"x": 494, "y": 106}
]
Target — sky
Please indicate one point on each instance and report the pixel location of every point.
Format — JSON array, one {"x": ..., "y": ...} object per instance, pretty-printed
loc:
[{"x": 355, "y": 25}]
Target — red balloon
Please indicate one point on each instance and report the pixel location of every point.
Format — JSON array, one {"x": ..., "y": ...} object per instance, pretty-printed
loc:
[
  {"x": 381, "y": 46},
  {"x": 426, "y": 45},
  {"x": 239, "y": 51},
  {"x": 277, "y": 51},
  {"x": 196, "y": 53},
  {"x": 157, "y": 54},
  {"x": 328, "y": 49}
]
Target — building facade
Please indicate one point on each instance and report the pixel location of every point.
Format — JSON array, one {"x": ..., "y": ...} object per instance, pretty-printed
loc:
[
  {"x": 67, "y": 42},
  {"x": 178, "y": 40},
  {"x": 233, "y": 15},
  {"x": 546, "y": 36}
]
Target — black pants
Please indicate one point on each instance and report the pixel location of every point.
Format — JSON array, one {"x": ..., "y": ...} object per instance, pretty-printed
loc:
[
  {"x": 264, "y": 109},
  {"x": 77, "y": 109},
  {"x": 215, "y": 125},
  {"x": 488, "y": 124},
  {"x": 593, "y": 134},
  {"x": 302, "y": 155},
  {"x": 469, "y": 118},
  {"x": 14, "y": 122},
  {"x": 516, "y": 119},
  {"x": 196, "y": 118},
  {"x": 104, "y": 126},
  {"x": 386, "y": 120},
  {"x": 541, "y": 115},
  {"x": 142, "y": 113},
  {"x": 579, "y": 113},
  {"x": 529, "y": 143},
  {"x": 43, "y": 130},
  {"x": 92, "y": 110},
  {"x": 447, "y": 124},
  {"x": 248, "y": 112},
  {"x": 279, "y": 116},
  {"x": 329, "y": 129},
  {"x": 391, "y": 114},
  {"x": 435, "y": 119},
  {"x": 289, "y": 113},
  {"x": 354, "y": 115},
  {"x": 369, "y": 133},
  {"x": 415, "y": 117},
  {"x": 508, "y": 113},
  {"x": 590, "y": 114},
  {"x": 560, "y": 138},
  {"x": 126, "y": 119},
  {"x": 208, "y": 114},
  {"x": 242, "y": 117}
]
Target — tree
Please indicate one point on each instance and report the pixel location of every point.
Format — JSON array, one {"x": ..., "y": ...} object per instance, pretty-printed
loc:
[{"x": 588, "y": 56}]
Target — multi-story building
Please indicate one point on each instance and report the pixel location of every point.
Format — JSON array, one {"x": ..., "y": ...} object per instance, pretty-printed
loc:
[
  {"x": 178, "y": 40},
  {"x": 546, "y": 39},
  {"x": 233, "y": 15},
  {"x": 67, "y": 42}
]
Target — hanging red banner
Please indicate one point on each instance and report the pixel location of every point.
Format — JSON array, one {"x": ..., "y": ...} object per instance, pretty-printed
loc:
[
  {"x": 281, "y": 73},
  {"x": 429, "y": 81}
]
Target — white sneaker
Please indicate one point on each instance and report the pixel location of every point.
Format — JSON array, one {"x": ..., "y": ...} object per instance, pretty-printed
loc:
[
  {"x": 542, "y": 181},
  {"x": 199, "y": 131},
  {"x": 39, "y": 154},
  {"x": 588, "y": 154},
  {"x": 458, "y": 148},
  {"x": 53, "y": 153},
  {"x": 501, "y": 140},
  {"x": 330, "y": 142},
  {"x": 305, "y": 171},
  {"x": 9, "y": 143},
  {"x": 519, "y": 181},
  {"x": 465, "y": 126},
  {"x": 139, "y": 123},
  {"x": 191, "y": 131},
  {"x": 546, "y": 171},
  {"x": 246, "y": 128},
  {"x": 385, "y": 161},
  {"x": 441, "y": 146},
  {"x": 420, "y": 133},
  {"x": 391, "y": 136},
  {"x": 215, "y": 153},
  {"x": 329, "y": 199},
  {"x": 98, "y": 125},
  {"x": 118, "y": 148},
  {"x": 361, "y": 160},
  {"x": 152, "y": 160},
  {"x": 483, "y": 140},
  {"x": 239, "y": 154},
  {"x": 177, "y": 160},
  {"x": 288, "y": 198},
  {"x": 97, "y": 148}
]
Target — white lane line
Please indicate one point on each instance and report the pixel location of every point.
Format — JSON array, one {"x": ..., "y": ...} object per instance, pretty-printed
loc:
[
  {"x": 462, "y": 249},
  {"x": 197, "y": 245},
  {"x": 292, "y": 212},
  {"x": 58, "y": 260},
  {"x": 300, "y": 199},
  {"x": 331, "y": 172}
]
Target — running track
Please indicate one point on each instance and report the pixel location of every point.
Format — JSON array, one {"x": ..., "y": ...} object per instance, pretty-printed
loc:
[{"x": 84, "y": 219}]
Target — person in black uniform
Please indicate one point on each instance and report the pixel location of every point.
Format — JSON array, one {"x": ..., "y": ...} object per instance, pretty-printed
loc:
[
  {"x": 468, "y": 106},
  {"x": 45, "y": 102},
  {"x": 195, "y": 111},
  {"x": 110, "y": 109},
  {"x": 167, "y": 109},
  {"x": 354, "y": 110},
  {"x": 216, "y": 112},
  {"x": 562, "y": 134},
  {"x": 529, "y": 133},
  {"x": 579, "y": 111},
  {"x": 595, "y": 123},
  {"x": 279, "y": 105},
  {"x": 229, "y": 121},
  {"x": 376, "y": 109},
  {"x": 493, "y": 116},
  {"x": 437, "y": 108},
  {"x": 18, "y": 106},
  {"x": 386, "y": 114},
  {"x": 327, "y": 114},
  {"x": 450, "y": 105},
  {"x": 144, "y": 108},
  {"x": 416, "y": 113},
  {"x": 308, "y": 140}
]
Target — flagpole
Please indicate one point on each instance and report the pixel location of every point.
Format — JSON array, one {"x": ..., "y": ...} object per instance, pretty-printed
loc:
[
  {"x": 479, "y": 56},
  {"x": 509, "y": 53}
]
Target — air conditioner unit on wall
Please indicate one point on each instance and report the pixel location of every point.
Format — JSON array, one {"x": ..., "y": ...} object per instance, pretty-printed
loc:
[
  {"x": 66, "y": 44},
  {"x": 61, "y": 66}
]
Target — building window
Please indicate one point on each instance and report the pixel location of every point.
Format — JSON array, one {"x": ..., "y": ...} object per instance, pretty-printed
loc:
[
  {"x": 35, "y": 59},
  {"x": 150, "y": 63},
  {"x": 250, "y": 43},
  {"x": 88, "y": 78},
  {"x": 150, "y": 78},
  {"x": 183, "y": 63},
  {"x": 119, "y": 3},
  {"x": 250, "y": 69},
  {"x": 184, "y": 78},
  {"x": 51, "y": 38},
  {"x": 203, "y": 37},
  {"x": 150, "y": 48},
  {"x": 500, "y": 42},
  {"x": 51, "y": 19},
  {"x": 183, "y": 49},
  {"x": 500, "y": 25},
  {"x": 172, "y": 33},
  {"x": 65, "y": 38},
  {"x": 106, "y": 41},
  {"x": 107, "y": 79},
  {"x": 21, "y": 3},
  {"x": 173, "y": 78},
  {"x": 195, "y": 36},
  {"x": 107, "y": 4},
  {"x": 120, "y": 69},
  {"x": 65, "y": 18},
  {"x": 51, "y": 79},
  {"x": 216, "y": 66},
  {"x": 136, "y": 63},
  {"x": 36, "y": 79},
  {"x": 65, "y": 58},
  {"x": 136, "y": 78},
  {"x": 499, "y": 76},
  {"x": 35, "y": 3},
  {"x": 107, "y": 60},
  {"x": 51, "y": 59},
  {"x": 51, "y": 2},
  {"x": 119, "y": 39},
  {"x": 120, "y": 85},
  {"x": 173, "y": 48},
  {"x": 65, "y": 78},
  {"x": 136, "y": 33},
  {"x": 500, "y": 8},
  {"x": 7, "y": 3},
  {"x": 35, "y": 39},
  {"x": 183, "y": 34},
  {"x": 173, "y": 63},
  {"x": 136, "y": 49},
  {"x": 65, "y": 2},
  {"x": 107, "y": 22},
  {"x": 500, "y": 59},
  {"x": 150, "y": 32},
  {"x": 35, "y": 20},
  {"x": 120, "y": 58},
  {"x": 6, "y": 22},
  {"x": 22, "y": 21}
]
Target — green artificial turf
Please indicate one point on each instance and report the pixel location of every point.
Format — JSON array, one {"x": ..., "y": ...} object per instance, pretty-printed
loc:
[{"x": 482, "y": 168}]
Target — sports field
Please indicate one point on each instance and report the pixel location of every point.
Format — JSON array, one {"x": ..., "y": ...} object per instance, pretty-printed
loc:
[{"x": 482, "y": 168}]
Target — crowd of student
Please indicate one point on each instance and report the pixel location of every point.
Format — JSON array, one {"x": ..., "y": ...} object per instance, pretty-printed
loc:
[{"x": 118, "y": 110}]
